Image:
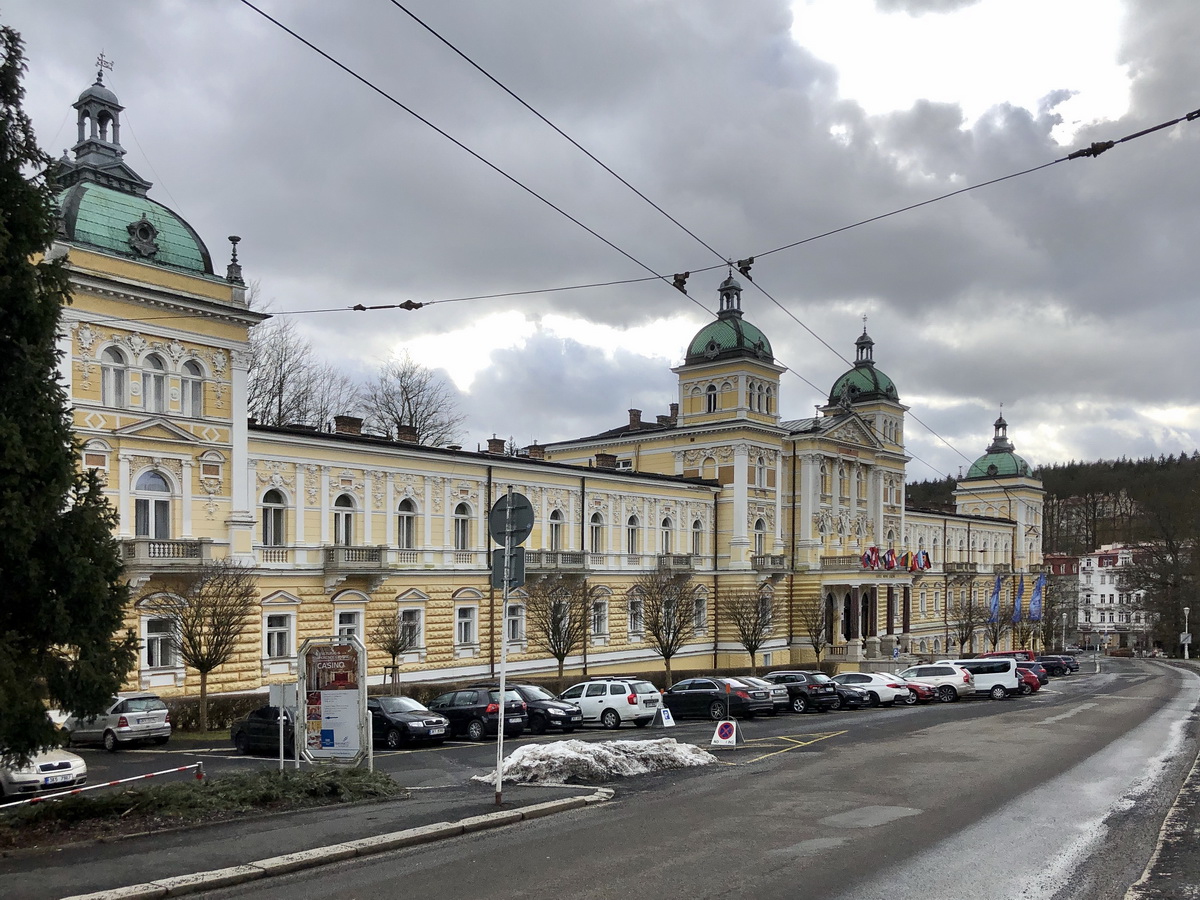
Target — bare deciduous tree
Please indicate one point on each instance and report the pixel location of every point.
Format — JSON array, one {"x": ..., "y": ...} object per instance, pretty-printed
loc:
[
  {"x": 969, "y": 615},
  {"x": 815, "y": 625},
  {"x": 405, "y": 394},
  {"x": 394, "y": 637},
  {"x": 750, "y": 613},
  {"x": 996, "y": 626},
  {"x": 666, "y": 613},
  {"x": 287, "y": 386},
  {"x": 209, "y": 608},
  {"x": 556, "y": 615}
]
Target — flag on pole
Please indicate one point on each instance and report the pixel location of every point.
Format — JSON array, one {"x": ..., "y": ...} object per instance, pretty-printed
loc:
[
  {"x": 1035, "y": 599},
  {"x": 994, "y": 604},
  {"x": 1017, "y": 600}
]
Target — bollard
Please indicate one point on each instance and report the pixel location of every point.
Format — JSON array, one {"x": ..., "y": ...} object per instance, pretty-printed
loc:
[{"x": 199, "y": 771}]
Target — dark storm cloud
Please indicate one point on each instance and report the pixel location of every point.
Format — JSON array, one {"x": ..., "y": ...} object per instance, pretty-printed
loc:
[{"x": 1067, "y": 293}]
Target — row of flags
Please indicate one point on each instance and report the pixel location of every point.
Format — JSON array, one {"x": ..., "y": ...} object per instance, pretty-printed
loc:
[
  {"x": 889, "y": 559},
  {"x": 1035, "y": 599}
]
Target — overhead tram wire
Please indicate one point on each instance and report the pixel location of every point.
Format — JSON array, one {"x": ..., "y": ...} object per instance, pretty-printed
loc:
[{"x": 495, "y": 168}]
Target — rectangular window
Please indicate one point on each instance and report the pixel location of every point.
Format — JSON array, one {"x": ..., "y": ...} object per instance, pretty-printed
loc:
[
  {"x": 160, "y": 649},
  {"x": 273, "y": 526},
  {"x": 279, "y": 636},
  {"x": 191, "y": 397},
  {"x": 515, "y": 623},
  {"x": 636, "y": 620},
  {"x": 464, "y": 633},
  {"x": 599, "y": 618},
  {"x": 699, "y": 615},
  {"x": 410, "y": 627},
  {"x": 349, "y": 624},
  {"x": 152, "y": 518}
]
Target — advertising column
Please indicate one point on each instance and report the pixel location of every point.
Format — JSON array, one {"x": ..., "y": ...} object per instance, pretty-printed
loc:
[{"x": 333, "y": 688}]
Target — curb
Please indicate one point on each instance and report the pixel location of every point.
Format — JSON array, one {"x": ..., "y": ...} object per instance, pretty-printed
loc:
[{"x": 308, "y": 859}]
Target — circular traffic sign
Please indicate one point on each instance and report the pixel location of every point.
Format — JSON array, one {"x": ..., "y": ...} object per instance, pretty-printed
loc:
[
  {"x": 511, "y": 520},
  {"x": 725, "y": 731}
]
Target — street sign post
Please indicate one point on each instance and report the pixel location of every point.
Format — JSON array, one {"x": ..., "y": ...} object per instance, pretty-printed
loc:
[{"x": 511, "y": 516}]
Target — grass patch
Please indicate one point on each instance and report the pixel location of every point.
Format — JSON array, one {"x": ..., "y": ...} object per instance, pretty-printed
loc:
[{"x": 113, "y": 813}]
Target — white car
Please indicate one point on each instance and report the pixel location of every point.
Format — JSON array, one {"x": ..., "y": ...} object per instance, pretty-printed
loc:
[
  {"x": 127, "y": 719},
  {"x": 994, "y": 676},
  {"x": 50, "y": 770},
  {"x": 611, "y": 701},
  {"x": 881, "y": 688},
  {"x": 952, "y": 682}
]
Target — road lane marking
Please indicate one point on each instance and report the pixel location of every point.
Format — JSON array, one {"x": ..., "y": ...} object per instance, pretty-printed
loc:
[
  {"x": 793, "y": 742},
  {"x": 1071, "y": 712}
]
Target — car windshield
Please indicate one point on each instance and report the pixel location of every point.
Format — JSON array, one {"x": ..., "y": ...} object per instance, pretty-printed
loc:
[
  {"x": 534, "y": 692},
  {"x": 400, "y": 704},
  {"x": 144, "y": 704}
]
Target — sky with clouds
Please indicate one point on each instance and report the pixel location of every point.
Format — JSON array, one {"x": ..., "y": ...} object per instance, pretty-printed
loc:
[{"x": 1066, "y": 294}]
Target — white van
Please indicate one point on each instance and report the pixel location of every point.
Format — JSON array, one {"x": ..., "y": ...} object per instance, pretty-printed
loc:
[{"x": 995, "y": 676}]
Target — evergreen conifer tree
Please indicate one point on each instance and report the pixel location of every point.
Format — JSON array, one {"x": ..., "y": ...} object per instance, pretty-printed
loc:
[{"x": 62, "y": 594}]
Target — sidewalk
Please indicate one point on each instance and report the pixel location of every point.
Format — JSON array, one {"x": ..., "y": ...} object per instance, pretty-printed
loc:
[{"x": 317, "y": 835}]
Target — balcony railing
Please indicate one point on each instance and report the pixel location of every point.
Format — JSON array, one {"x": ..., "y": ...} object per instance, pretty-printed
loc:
[
  {"x": 1002, "y": 569},
  {"x": 959, "y": 568},
  {"x": 555, "y": 560},
  {"x": 675, "y": 562},
  {"x": 769, "y": 562},
  {"x": 850, "y": 561},
  {"x": 144, "y": 552}
]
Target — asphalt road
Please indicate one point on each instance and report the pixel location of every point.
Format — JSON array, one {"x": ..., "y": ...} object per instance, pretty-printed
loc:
[{"x": 1060, "y": 795}]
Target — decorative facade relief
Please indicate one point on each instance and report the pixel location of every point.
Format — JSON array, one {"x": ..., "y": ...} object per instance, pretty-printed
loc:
[
  {"x": 220, "y": 362},
  {"x": 760, "y": 511},
  {"x": 346, "y": 482},
  {"x": 85, "y": 338},
  {"x": 173, "y": 466},
  {"x": 406, "y": 485},
  {"x": 378, "y": 488},
  {"x": 437, "y": 487},
  {"x": 312, "y": 483}
]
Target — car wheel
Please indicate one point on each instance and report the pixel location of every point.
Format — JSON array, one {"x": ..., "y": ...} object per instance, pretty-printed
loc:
[
  {"x": 475, "y": 730},
  {"x": 567, "y": 729},
  {"x": 837, "y": 703},
  {"x": 110, "y": 742},
  {"x": 610, "y": 719},
  {"x": 1026, "y": 689},
  {"x": 394, "y": 739},
  {"x": 910, "y": 699},
  {"x": 641, "y": 723},
  {"x": 998, "y": 692},
  {"x": 160, "y": 740},
  {"x": 799, "y": 704},
  {"x": 537, "y": 724},
  {"x": 716, "y": 711},
  {"x": 873, "y": 699},
  {"x": 947, "y": 694},
  {"x": 241, "y": 743}
]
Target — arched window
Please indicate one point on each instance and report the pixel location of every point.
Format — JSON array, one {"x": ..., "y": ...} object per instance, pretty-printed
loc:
[
  {"x": 665, "y": 535},
  {"x": 760, "y": 537},
  {"x": 597, "y": 533},
  {"x": 860, "y": 485},
  {"x": 343, "y": 520},
  {"x": 273, "y": 506},
  {"x": 462, "y": 527},
  {"x": 710, "y": 398},
  {"x": 697, "y": 538},
  {"x": 843, "y": 482},
  {"x": 114, "y": 384},
  {"x": 152, "y": 510},
  {"x": 406, "y": 524},
  {"x": 154, "y": 384},
  {"x": 192, "y": 389},
  {"x": 760, "y": 472},
  {"x": 708, "y": 469},
  {"x": 556, "y": 529},
  {"x": 825, "y": 487},
  {"x": 770, "y": 400},
  {"x": 760, "y": 399},
  {"x": 631, "y": 535}
]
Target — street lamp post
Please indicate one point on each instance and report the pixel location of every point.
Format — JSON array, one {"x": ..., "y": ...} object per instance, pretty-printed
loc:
[
  {"x": 1064, "y": 632},
  {"x": 1186, "y": 610}
]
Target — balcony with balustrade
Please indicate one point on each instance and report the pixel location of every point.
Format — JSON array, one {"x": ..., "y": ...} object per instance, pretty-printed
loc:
[
  {"x": 546, "y": 561},
  {"x": 343, "y": 561}
]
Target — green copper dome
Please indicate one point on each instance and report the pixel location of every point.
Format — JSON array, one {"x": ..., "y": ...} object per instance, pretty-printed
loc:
[
  {"x": 730, "y": 336},
  {"x": 864, "y": 381},
  {"x": 131, "y": 225},
  {"x": 1000, "y": 461}
]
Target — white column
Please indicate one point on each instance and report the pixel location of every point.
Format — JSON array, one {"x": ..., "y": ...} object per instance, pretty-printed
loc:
[
  {"x": 124, "y": 496},
  {"x": 809, "y": 500},
  {"x": 323, "y": 504},
  {"x": 389, "y": 502},
  {"x": 66, "y": 364},
  {"x": 740, "y": 540},
  {"x": 779, "y": 487},
  {"x": 185, "y": 492},
  {"x": 368, "y": 510},
  {"x": 298, "y": 508}
]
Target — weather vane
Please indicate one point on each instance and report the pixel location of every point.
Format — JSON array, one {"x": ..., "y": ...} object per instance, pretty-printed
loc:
[{"x": 102, "y": 63}]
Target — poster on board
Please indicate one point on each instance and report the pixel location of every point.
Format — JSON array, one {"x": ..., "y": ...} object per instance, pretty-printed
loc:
[{"x": 333, "y": 685}]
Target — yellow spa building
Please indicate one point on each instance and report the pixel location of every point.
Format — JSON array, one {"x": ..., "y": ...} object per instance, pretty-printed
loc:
[{"x": 343, "y": 528}]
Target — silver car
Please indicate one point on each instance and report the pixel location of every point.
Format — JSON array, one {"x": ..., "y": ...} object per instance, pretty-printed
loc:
[
  {"x": 129, "y": 718},
  {"x": 49, "y": 770}
]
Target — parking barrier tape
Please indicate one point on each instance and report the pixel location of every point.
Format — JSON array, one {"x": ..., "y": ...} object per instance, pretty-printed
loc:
[{"x": 199, "y": 767}]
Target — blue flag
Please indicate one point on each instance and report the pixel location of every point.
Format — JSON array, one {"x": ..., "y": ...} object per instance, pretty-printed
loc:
[
  {"x": 1035, "y": 599},
  {"x": 1017, "y": 600},
  {"x": 995, "y": 601}
]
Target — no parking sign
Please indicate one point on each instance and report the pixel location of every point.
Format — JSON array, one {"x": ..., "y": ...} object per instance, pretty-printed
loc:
[{"x": 727, "y": 735}]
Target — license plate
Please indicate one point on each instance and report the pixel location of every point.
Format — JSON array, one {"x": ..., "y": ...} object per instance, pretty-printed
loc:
[
  {"x": 578, "y": 718},
  {"x": 650, "y": 702},
  {"x": 516, "y": 718},
  {"x": 145, "y": 721},
  {"x": 437, "y": 730},
  {"x": 57, "y": 779}
]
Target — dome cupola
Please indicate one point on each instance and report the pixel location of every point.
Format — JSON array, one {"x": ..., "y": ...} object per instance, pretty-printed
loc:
[
  {"x": 730, "y": 336},
  {"x": 864, "y": 382},
  {"x": 1000, "y": 460}
]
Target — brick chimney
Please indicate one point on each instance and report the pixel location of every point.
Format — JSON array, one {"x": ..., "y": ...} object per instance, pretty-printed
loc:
[
  {"x": 606, "y": 460},
  {"x": 674, "y": 413},
  {"x": 406, "y": 434},
  {"x": 496, "y": 446},
  {"x": 347, "y": 425},
  {"x": 534, "y": 451},
  {"x": 635, "y": 419}
]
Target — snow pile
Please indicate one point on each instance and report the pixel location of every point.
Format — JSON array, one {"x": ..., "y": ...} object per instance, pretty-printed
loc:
[{"x": 561, "y": 762}]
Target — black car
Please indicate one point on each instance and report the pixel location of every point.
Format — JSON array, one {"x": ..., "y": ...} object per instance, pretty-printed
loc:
[
  {"x": 260, "y": 731},
  {"x": 808, "y": 690},
  {"x": 475, "y": 712},
  {"x": 1055, "y": 665},
  {"x": 1038, "y": 669},
  {"x": 850, "y": 697},
  {"x": 544, "y": 709},
  {"x": 716, "y": 699},
  {"x": 397, "y": 721}
]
